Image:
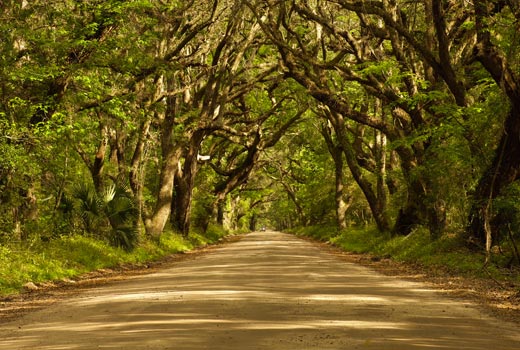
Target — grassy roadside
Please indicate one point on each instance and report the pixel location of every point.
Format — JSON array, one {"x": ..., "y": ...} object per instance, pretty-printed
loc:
[
  {"x": 71, "y": 256},
  {"x": 447, "y": 255}
]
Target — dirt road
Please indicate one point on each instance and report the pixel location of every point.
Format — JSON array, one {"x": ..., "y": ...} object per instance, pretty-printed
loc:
[{"x": 266, "y": 291}]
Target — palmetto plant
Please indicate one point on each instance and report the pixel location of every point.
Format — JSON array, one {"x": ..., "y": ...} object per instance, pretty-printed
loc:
[
  {"x": 111, "y": 213},
  {"x": 89, "y": 206}
]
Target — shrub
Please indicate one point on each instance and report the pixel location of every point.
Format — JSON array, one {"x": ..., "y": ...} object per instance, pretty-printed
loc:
[{"x": 113, "y": 213}]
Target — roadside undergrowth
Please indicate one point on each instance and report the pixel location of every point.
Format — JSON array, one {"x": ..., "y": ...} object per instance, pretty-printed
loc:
[
  {"x": 447, "y": 255},
  {"x": 70, "y": 256}
]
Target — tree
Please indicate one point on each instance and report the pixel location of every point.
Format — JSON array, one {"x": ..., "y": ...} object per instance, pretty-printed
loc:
[
  {"x": 275, "y": 115},
  {"x": 505, "y": 166},
  {"x": 344, "y": 107},
  {"x": 336, "y": 152}
]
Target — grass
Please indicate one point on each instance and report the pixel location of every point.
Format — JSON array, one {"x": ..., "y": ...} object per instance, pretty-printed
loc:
[
  {"x": 448, "y": 254},
  {"x": 71, "y": 256}
]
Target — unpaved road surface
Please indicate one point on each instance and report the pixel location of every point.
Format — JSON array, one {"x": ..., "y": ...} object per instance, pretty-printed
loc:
[{"x": 267, "y": 291}]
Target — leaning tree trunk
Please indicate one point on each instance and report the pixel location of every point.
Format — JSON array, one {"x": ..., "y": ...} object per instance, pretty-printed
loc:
[
  {"x": 220, "y": 213},
  {"x": 137, "y": 169},
  {"x": 252, "y": 222},
  {"x": 377, "y": 204},
  {"x": 377, "y": 207},
  {"x": 155, "y": 223}
]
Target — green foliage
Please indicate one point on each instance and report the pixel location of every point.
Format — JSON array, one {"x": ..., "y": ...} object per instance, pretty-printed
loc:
[
  {"x": 76, "y": 76},
  {"x": 448, "y": 253},
  {"x": 506, "y": 208},
  {"x": 114, "y": 206},
  {"x": 202, "y": 207},
  {"x": 125, "y": 237},
  {"x": 320, "y": 233},
  {"x": 359, "y": 240},
  {"x": 303, "y": 172},
  {"x": 89, "y": 205},
  {"x": 71, "y": 256},
  {"x": 171, "y": 242},
  {"x": 213, "y": 234}
]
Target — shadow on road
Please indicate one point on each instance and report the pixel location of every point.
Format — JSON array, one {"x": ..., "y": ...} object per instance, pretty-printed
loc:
[{"x": 267, "y": 291}]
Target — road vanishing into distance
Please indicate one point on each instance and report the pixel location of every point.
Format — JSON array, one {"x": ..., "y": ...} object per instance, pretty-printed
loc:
[{"x": 268, "y": 291}]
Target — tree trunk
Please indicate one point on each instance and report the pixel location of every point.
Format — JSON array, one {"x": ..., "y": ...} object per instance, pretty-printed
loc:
[
  {"x": 252, "y": 222},
  {"x": 380, "y": 157},
  {"x": 184, "y": 185},
  {"x": 415, "y": 210},
  {"x": 155, "y": 223},
  {"x": 436, "y": 219},
  {"x": 137, "y": 170},
  {"x": 337, "y": 155},
  {"x": 181, "y": 205},
  {"x": 299, "y": 210},
  {"x": 99, "y": 161},
  {"x": 418, "y": 210},
  {"x": 220, "y": 213},
  {"x": 235, "y": 214},
  {"x": 341, "y": 204},
  {"x": 422, "y": 207},
  {"x": 504, "y": 169},
  {"x": 377, "y": 205}
]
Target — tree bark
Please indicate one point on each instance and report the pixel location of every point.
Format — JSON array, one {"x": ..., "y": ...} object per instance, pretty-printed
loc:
[
  {"x": 137, "y": 170},
  {"x": 341, "y": 204},
  {"x": 377, "y": 205},
  {"x": 184, "y": 185},
  {"x": 220, "y": 213},
  {"x": 155, "y": 223},
  {"x": 336, "y": 152},
  {"x": 99, "y": 161},
  {"x": 252, "y": 222}
]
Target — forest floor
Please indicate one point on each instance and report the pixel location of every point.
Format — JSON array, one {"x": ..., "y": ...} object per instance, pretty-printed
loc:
[{"x": 276, "y": 276}]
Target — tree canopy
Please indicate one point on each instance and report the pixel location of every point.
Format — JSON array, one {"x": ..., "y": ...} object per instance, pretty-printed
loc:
[{"x": 124, "y": 119}]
